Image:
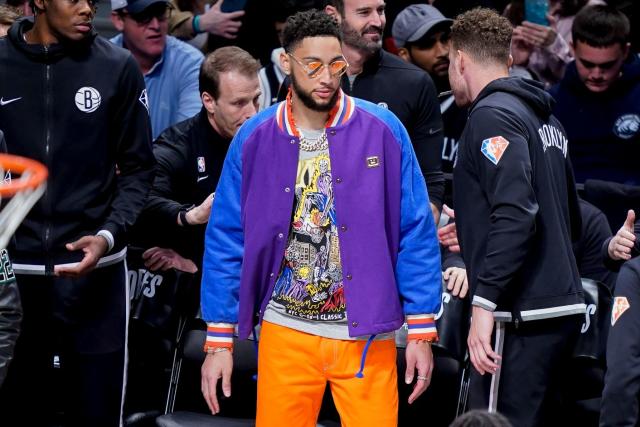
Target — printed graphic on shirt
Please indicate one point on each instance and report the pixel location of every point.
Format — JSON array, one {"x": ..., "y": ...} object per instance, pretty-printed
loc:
[
  {"x": 310, "y": 283},
  {"x": 6, "y": 270},
  {"x": 620, "y": 305},
  {"x": 627, "y": 126},
  {"x": 493, "y": 148}
]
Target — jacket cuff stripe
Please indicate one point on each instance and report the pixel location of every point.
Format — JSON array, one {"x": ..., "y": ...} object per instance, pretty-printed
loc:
[
  {"x": 484, "y": 303},
  {"x": 219, "y": 335},
  {"x": 421, "y": 327}
]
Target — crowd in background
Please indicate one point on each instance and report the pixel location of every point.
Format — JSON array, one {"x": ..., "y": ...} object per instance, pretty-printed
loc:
[{"x": 209, "y": 67}]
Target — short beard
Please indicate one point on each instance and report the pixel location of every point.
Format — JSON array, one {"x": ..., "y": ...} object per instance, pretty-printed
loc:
[
  {"x": 351, "y": 37},
  {"x": 309, "y": 102}
]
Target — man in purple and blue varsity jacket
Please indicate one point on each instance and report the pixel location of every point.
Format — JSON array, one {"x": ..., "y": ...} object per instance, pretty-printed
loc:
[{"x": 321, "y": 230}]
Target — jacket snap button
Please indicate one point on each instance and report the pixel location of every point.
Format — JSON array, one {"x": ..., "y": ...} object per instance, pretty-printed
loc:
[
  {"x": 271, "y": 275},
  {"x": 343, "y": 228},
  {"x": 287, "y": 189},
  {"x": 349, "y": 277},
  {"x": 293, "y": 141},
  {"x": 333, "y": 132},
  {"x": 354, "y": 324},
  {"x": 338, "y": 180},
  {"x": 280, "y": 235}
]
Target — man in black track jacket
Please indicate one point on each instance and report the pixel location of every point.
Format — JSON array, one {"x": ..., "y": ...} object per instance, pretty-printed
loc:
[
  {"x": 76, "y": 103},
  {"x": 190, "y": 155},
  {"x": 516, "y": 212}
]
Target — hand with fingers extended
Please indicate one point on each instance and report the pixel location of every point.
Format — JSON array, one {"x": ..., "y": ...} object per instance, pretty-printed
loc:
[
  {"x": 216, "y": 366},
  {"x": 621, "y": 245},
  {"x": 219, "y": 23},
  {"x": 94, "y": 247},
  {"x": 521, "y": 49},
  {"x": 164, "y": 259},
  {"x": 482, "y": 356},
  {"x": 456, "y": 279},
  {"x": 200, "y": 214},
  {"x": 448, "y": 235},
  {"x": 537, "y": 35},
  {"x": 419, "y": 359}
]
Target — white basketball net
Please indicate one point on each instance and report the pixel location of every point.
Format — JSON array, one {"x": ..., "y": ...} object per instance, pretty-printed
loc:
[{"x": 17, "y": 207}]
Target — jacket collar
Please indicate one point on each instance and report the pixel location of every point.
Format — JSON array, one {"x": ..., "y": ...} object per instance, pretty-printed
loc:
[
  {"x": 51, "y": 53},
  {"x": 339, "y": 114}
]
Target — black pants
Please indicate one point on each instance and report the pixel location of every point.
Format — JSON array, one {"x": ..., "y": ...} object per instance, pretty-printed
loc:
[
  {"x": 83, "y": 322},
  {"x": 528, "y": 386}
]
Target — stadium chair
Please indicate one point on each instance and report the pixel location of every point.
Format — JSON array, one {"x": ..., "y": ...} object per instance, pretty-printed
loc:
[{"x": 237, "y": 411}]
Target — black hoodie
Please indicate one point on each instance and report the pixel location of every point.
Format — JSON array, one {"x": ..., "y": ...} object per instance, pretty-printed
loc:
[
  {"x": 79, "y": 108},
  {"x": 516, "y": 205}
]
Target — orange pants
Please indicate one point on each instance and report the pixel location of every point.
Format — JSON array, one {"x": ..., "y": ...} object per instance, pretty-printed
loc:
[{"x": 293, "y": 370}]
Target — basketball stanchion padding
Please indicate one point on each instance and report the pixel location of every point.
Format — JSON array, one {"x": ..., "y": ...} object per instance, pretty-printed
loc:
[{"x": 23, "y": 181}]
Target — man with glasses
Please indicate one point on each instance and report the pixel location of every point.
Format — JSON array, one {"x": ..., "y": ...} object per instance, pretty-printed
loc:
[
  {"x": 76, "y": 103},
  {"x": 321, "y": 231},
  {"x": 597, "y": 100},
  {"x": 170, "y": 66}
]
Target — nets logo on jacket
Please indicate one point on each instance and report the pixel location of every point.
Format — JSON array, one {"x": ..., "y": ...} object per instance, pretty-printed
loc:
[
  {"x": 88, "y": 99},
  {"x": 493, "y": 148}
]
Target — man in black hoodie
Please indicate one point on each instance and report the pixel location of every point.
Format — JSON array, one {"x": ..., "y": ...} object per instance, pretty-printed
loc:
[
  {"x": 516, "y": 212},
  {"x": 597, "y": 100},
  {"x": 76, "y": 103}
]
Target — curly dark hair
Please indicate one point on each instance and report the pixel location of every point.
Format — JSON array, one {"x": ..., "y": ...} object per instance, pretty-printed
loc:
[
  {"x": 483, "y": 34},
  {"x": 311, "y": 23}
]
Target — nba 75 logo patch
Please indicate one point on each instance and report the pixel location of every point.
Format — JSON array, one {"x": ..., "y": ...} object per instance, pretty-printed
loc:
[
  {"x": 620, "y": 305},
  {"x": 493, "y": 148}
]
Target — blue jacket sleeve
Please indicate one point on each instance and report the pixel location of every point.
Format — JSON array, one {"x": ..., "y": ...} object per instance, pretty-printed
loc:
[
  {"x": 418, "y": 271},
  {"x": 224, "y": 242}
]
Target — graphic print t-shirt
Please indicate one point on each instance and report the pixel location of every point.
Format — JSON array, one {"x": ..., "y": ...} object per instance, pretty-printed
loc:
[{"x": 308, "y": 294}]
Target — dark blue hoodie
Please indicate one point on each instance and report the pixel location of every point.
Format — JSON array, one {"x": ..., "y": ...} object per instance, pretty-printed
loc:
[{"x": 603, "y": 128}]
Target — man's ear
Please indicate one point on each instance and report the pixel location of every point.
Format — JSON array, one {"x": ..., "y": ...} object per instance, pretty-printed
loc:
[
  {"x": 39, "y": 4},
  {"x": 403, "y": 53},
  {"x": 208, "y": 102},
  {"x": 510, "y": 61},
  {"x": 285, "y": 64},
  {"x": 333, "y": 12},
  {"x": 116, "y": 20},
  {"x": 460, "y": 61}
]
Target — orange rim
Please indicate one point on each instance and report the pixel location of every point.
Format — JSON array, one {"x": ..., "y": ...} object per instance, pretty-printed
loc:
[{"x": 20, "y": 165}]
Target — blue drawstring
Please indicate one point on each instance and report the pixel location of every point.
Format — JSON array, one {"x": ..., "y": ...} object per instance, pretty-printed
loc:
[
  {"x": 255, "y": 347},
  {"x": 360, "y": 373}
]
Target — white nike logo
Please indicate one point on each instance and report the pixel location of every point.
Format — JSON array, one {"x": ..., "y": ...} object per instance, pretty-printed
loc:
[
  {"x": 8, "y": 101},
  {"x": 434, "y": 131},
  {"x": 200, "y": 178}
]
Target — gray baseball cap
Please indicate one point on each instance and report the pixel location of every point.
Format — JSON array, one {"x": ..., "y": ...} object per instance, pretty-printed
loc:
[
  {"x": 134, "y": 6},
  {"x": 414, "y": 22}
]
